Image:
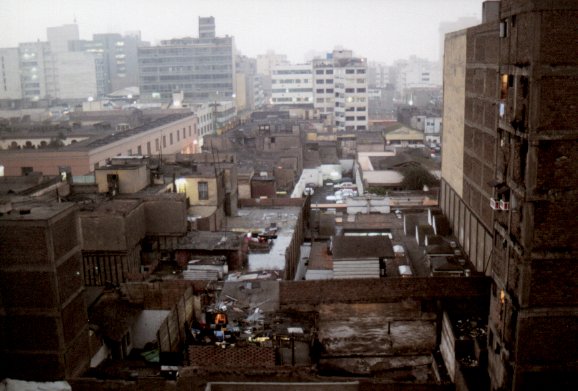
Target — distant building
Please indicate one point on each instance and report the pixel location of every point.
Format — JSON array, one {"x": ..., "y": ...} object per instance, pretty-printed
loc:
[
  {"x": 340, "y": 90},
  {"x": 168, "y": 135},
  {"x": 292, "y": 85},
  {"x": 415, "y": 72},
  {"x": 249, "y": 90},
  {"x": 118, "y": 56},
  {"x": 10, "y": 82},
  {"x": 202, "y": 68}
]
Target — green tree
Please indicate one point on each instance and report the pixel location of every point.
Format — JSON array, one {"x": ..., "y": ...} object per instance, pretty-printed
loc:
[{"x": 415, "y": 177}]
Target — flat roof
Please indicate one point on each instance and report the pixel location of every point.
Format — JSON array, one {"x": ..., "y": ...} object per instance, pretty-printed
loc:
[{"x": 358, "y": 247}]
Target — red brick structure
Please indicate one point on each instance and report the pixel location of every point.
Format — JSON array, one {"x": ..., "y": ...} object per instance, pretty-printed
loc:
[
  {"x": 238, "y": 357},
  {"x": 44, "y": 333},
  {"x": 515, "y": 207}
]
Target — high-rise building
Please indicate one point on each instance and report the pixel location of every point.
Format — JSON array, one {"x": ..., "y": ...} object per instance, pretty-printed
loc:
[
  {"x": 117, "y": 56},
  {"x": 43, "y": 311},
  {"x": 60, "y": 36},
  {"x": 509, "y": 182},
  {"x": 249, "y": 91},
  {"x": 202, "y": 68},
  {"x": 291, "y": 84},
  {"x": 10, "y": 84},
  {"x": 340, "y": 90}
]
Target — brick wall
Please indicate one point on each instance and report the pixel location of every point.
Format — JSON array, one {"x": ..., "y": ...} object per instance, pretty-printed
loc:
[
  {"x": 65, "y": 234},
  {"x": 312, "y": 293},
  {"x": 24, "y": 235},
  {"x": 238, "y": 357}
]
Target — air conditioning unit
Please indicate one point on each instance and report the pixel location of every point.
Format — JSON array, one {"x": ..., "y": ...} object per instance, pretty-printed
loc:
[
  {"x": 504, "y": 205},
  {"x": 494, "y": 204}
]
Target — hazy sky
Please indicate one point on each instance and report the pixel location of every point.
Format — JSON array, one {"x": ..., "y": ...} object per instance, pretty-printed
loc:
[{"x": 381, "y": 30}]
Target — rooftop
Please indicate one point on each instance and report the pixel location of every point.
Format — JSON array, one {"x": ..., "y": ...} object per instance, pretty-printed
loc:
[{"x": 359, "y": 247}]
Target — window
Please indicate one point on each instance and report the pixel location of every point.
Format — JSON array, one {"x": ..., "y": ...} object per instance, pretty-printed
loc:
[
  {"x": 320, "y": 90},
  {"x": 157, "y": 146},
  {"x": 361, "y": 71},
  {"x": 329, "y": 72},
  {"x": 319, "y": 81},
  {"x": 164, "y": 141},
  {"x": 178, "y": 136},
  {"x": 171, "y": 138},
  {"x": 361, "y": 90},
  {"x": 148, "y": 147},
  {"x": 361, "y": 118},
  {"x": 349, "y": 71},
  {"x": 319, "y": 72},
  {"x": 361, "y": 108},
  {"x": 329, "y": 81},
  {"x": 139, "y": 150},
  {"x": 349, "y": 90},
  {"x": 203, "y": 191},
  {"x": 329, "y": 91},
  {"x": 189, "y": 130},
  {"x": 185, "y": 133}
]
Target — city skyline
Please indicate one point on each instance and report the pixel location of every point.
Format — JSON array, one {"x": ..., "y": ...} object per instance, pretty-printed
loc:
[{"x": 390, "y": 29}]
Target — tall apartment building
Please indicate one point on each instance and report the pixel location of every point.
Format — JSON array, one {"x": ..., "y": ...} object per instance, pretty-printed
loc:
[
  {"x": 378, "y": 75},
  {"x": 340, "y": 90},
  {"x": 249, "y": 91},
  {"x": 69, "y": 75},
  {"x": 202, "y": 68},
  {"x": 10, "y": 85},
  {"x": 509, "y": 182},
  {"x": 291, "y": 84},
  {"x": 415, "y": 72},
  {"x": 43, "y": 316},
  {"x": 59, "y": 37},
  {"x": 265, "y": 62},
  {"x": 118, "y": 56}
]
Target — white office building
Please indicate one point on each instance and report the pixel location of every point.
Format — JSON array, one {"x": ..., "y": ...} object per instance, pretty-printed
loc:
[
  {"x": 340, "y": 90},
  {"x": 416, "y": 72},
  {"x": 291, "y": 84}
]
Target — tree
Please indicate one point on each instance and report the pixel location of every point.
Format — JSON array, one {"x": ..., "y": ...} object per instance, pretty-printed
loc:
[{"x": 415, "y": 177}]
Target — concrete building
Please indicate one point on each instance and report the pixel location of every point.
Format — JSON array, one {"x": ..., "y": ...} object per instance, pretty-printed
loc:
[
  {"x": 59, "y": 37},
  {"x": 265, "y": 63},
  {"x": 165, "y": 136},
  {"x": 340, "y": 90},
  {"x": 202, "y": 68},
  {"x": 415, "y": 72},
  {"x": 378, "y": 75},
  {"x": 44, "y": 319},
  {"x": 10, "y": 83},
  {"x": 118, "y": 54},
  {"x": 291, "y": 84},
  {"x": 509, "y": 179}
]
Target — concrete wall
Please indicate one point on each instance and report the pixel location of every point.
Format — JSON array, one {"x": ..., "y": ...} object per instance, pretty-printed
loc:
[
  {"x": 454, "y": 103},
  {"x": 146, "y": 326},
  {"x": 129, "y": 180}
]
